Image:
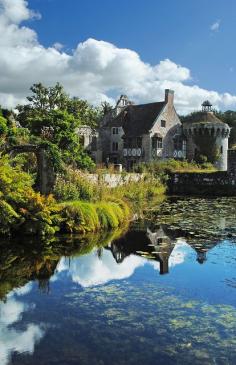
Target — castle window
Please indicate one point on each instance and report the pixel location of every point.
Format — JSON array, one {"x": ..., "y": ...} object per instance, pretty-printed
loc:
[
  {"x": 163, "y": 123},
  {"x": 159, "y": 142},
  {"x": 221, "y": 149},
  {"x": 154, "y": 142},
  {"x": 115, "y": 130},
  {"x": 114, "y": 146}
]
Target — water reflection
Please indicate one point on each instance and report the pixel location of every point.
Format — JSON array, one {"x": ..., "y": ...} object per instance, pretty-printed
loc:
[
  {"x": 101, "y": 260},
  {"x": 163, "y": 291},
  {"x": 12, "y": 339}
]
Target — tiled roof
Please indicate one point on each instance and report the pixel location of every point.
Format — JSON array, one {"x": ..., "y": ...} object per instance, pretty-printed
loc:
[{"x": 137, "y": 120}]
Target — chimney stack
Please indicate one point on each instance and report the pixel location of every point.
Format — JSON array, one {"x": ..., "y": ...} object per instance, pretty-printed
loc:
[{"x": 169, "y": 96}]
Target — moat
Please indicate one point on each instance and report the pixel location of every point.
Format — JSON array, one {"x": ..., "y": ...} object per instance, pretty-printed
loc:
[{"x": 163, "y": 292}]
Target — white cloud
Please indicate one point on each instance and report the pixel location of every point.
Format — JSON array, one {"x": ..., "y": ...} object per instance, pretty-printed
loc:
[
  {"x": 58, "y": 46},
  {"x": 16, "y": 11},
  {"x": 215, "y": 26},
  {"x": 95, "y": 70}
]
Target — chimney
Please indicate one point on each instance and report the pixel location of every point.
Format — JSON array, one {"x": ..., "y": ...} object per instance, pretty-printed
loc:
[{"x": 169, "y": 96}]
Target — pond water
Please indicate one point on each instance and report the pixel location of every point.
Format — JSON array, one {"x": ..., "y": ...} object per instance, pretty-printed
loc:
[{"x": 164, "y": 292}]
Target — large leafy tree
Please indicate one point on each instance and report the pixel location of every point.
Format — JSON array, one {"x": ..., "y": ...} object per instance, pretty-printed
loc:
[
  {"x": 229, "y": 117},
  {"x": 52, "y": 118}
]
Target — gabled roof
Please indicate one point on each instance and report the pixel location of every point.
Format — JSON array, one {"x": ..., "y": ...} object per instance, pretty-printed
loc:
[{"x": 137, "y": 120}]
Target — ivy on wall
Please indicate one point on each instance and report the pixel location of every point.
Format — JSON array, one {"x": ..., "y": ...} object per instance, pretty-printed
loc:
[{"x": 207, "y": 148}]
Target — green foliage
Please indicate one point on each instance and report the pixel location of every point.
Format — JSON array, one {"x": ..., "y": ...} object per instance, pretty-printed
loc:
[
  {"x": 8, "y": 217},
  {"x": 162, "y": 167},
  {"x": 148, "y": 188},
  {"x": 74, "y": 186},
  {"x": 21, "y": 209},
  {"x": 3, "y": 126},
  {"x": 84, "y": 112},
  {"x": 52, "y": 119},
  {"x": 40, "y": 215},
  {"x": 207, "y": 145},
  {"x": 105, "y": 108},
  {"x": 86, "y": 217},
  {"x": 229, "y": 117},
  {"x": 42, "y": 100}
]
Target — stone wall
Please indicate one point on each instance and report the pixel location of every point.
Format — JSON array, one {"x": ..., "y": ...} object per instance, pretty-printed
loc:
[
  {"x": 218, "y": 183},
  {"x": 232, "y": 162},
  {"x": 114, "y": 180}
]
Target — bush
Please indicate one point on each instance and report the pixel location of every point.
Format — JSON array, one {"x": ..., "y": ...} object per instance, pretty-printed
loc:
[
  {"x": 22, "y": 209},
  {"x": 39, "y": 215},
  {"x": 8, "y": 217},
  {"x": 3, "y": 126},
  {"x": 73, "y": 186}
]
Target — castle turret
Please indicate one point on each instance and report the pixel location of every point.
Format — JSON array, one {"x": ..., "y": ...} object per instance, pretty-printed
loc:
[{"x": 207, "y": 136}]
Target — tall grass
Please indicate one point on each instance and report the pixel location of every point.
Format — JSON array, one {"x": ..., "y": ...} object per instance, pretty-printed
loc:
[
  {"x": 81, "y": 217},
  {"x": 73, "y": 186}
]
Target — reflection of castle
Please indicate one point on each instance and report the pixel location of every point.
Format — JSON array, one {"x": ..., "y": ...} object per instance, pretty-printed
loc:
[
  {"x": 157, "y": 246},
  {"x": 154, "y": 245},
  {"x": 202, "y": 250}
]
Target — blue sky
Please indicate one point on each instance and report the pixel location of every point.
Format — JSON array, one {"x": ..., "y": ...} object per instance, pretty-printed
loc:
[
  {"x": 177, "y": 29},
  {"x": 98, "y": 49}
]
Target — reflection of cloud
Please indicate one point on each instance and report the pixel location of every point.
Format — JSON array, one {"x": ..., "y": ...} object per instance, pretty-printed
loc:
[
  {"x": 178, "y": 254},
  {"x": 24, "y": 290},
  {"x": 10, "y": 338},
  {"x": 88, "y": 270}
]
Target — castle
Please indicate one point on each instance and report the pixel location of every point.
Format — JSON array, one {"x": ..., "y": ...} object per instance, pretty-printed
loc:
[{"x": 130, "y": 134}]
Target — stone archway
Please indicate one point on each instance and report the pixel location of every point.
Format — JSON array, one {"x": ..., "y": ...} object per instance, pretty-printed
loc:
[{"x": 45, "y": 174}]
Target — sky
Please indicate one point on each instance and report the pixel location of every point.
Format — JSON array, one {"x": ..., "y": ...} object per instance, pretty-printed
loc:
[{"x": 99, "y": 49}]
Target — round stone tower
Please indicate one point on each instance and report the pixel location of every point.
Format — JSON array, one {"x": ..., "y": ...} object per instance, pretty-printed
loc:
[{"x": 206, "y": 135}]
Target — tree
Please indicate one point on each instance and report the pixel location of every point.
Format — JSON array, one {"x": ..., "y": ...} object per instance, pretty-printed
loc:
[
  {"x": 229, "y": 117},
  {"x": 84, "y": 112},
  {"x": 52, "y": 119},
  {"x": 106, "y": 108},
  {"x": 42, "y": 101}
]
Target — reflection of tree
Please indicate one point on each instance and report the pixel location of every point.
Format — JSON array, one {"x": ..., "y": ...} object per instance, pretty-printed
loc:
[
  {"x": 21, "y": 262},
  {"x": 44, "y": 274}
]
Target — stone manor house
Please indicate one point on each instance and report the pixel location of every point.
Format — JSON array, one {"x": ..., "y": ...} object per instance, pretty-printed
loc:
[{"x": 130, "y": 134}]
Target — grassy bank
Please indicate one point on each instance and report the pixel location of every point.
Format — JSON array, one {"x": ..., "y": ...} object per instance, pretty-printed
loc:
[
  {"x": 81, "y": 217},
  {"x": 78, "y": 205}
]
